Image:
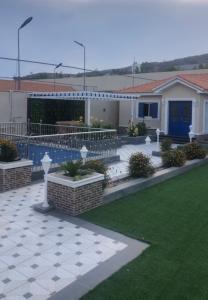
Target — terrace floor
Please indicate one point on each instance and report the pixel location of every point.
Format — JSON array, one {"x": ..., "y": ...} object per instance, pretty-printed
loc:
[
  {"x": 119, "y": 170},
  {"x": 42, "y": 254}
]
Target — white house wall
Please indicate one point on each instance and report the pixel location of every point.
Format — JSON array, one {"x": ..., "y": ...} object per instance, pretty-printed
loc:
[
  {"x": 13, "y": 106},
  {"x": 107, "y": 111},
  {"x": 125, "y": 112}
]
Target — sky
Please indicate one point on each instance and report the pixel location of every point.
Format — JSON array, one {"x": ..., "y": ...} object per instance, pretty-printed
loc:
[{"x": 113, "y": 31}]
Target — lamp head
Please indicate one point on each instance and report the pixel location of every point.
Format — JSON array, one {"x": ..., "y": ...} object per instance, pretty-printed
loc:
[
  {"x": 27, "y": 21},
  {"x": 78, "y": 43},
  {"x": 59, "y": 65},
  {"x": 84, "y": 152},
  {"x": 46, "y": 162},
  {"x": 157, "y": 131}
]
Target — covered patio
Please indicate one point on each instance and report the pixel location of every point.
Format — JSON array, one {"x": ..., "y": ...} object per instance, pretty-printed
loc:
[{"x": 78, "y": 98}]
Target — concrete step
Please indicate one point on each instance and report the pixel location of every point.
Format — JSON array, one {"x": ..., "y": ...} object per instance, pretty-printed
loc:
[{"x": 176, "y": 139}]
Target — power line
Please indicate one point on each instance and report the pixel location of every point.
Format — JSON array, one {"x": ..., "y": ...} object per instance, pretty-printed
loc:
[
  {"x": 71, "y": 67},
  {"x": 44, "y": 63},
  {"x": 47, "y": 81},
  {"x": 138, "y": 77}
]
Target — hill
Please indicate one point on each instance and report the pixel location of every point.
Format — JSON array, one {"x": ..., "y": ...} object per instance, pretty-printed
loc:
[{"x": 186, "y": 63}]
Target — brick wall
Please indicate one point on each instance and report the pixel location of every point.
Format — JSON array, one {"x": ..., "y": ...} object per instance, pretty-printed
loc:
[
  {"x": 15, "y": 178},
  {"x": 74, "y": 201}
]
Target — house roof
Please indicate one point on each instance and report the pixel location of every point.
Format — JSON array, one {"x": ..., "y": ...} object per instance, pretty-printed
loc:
[
  {"x": 32, "y": 86},
  {"x": 144, "y": 88},
  {"x": 198, "y": 80}
]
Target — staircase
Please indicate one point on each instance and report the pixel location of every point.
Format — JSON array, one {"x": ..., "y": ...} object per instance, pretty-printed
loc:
[{"x": 176, "y": 139}]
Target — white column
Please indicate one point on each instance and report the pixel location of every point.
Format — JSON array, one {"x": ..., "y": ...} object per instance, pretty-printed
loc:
[
  {"x": 88, "y": 112},
  {"x": 194, "y": 112},
  {"x": 132, "y": 111},
  {"x": 164, "y": 115}
]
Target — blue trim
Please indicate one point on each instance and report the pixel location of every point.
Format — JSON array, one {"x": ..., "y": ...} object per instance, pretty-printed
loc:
[
  {"x": 141, "y": 110},
  {"x": 180, "y": 117}
]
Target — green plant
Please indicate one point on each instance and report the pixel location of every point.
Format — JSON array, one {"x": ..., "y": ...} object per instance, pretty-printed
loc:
[
  {"x": 194, "y": 151},
  {"x": 8, "y": 151},
  {"x": 140, "y": 165},
  {"x": 142, "y": 128},
  {"x": 97, "y": 166},
  {"x": 173, "y": 158},
  {"x": 71, "y": 168},
  {"x": 100, "y": 124},
  {"x": 107, "y": 126},
  {"x": 132, "y": 129},
  {"x": 166, "y": 144}
]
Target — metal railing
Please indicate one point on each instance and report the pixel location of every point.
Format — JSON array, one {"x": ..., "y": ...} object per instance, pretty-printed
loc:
[
  {"x": 23, "y": 128},
  {"x": 14, "y": 128},
  {"x": 60, "y": 146}
]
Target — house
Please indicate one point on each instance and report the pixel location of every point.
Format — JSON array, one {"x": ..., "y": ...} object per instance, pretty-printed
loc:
[{"x": 171, "y": 104}]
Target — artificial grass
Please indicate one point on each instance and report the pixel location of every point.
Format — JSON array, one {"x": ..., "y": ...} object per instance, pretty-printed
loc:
[{"x": 173, "y": 217}]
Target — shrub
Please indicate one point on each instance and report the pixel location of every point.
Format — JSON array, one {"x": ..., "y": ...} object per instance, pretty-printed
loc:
[
  {"x": 71, "y": 168},
  {"x": 142, "y": 129},
  {"x": 139, "y": 129},
  {"x": 96, "y": 124},
  {"x": 166, "y": 144},
  {"x": 8, "y": 151},
  {"x": 132, "y": 129},
  {"x": 140, "y": 165},
  {"x": 100, "y": 124},
  {"x": 107, "y": 126},
  {"x": 97, "y": 166},
  {"x": 173, "y": 158},
  {"x": 194, "y": 151}
]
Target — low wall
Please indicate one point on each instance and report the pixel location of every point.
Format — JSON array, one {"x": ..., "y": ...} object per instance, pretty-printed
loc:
[
  {"x": 135, "y": 185},
  {"x": 15, "y": 175},
  {"x": 136, "y": 140},
  {"x": 76, "y": 197}
]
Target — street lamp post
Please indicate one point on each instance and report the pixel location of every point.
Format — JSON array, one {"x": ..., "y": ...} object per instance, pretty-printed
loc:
[
  {"x": 191, "y": 134},
  {"x": 84, "y": 75},
  {"x": 84, "y": 82},
  {"x": 158, "y": 138},
  {"x": 46, "y": 163},
  {"x": 54, "y": 75},
  {"x": 27, "y": 21}
]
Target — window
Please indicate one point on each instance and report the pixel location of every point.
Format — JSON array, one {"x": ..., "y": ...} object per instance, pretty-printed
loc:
[{"x": 148, "y": 110}]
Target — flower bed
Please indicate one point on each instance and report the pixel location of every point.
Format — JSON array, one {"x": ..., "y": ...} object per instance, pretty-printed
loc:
[
  {"x": 14, "y": 173},
  {"x": 75, "y": 196}
]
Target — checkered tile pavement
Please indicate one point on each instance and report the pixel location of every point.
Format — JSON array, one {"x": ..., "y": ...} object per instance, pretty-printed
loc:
[{"x": 42, "y": 254}]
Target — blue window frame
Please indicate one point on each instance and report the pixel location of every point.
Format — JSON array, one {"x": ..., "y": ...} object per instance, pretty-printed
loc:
[{"x": 148, "y": 110}]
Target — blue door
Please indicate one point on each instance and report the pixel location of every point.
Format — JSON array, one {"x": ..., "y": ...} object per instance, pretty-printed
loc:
[{"x": 180, "y": 117}]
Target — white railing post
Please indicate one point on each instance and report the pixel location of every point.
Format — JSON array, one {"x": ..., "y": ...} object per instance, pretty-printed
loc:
[
  {"x": 191, "y": 134},
  {"x": 148, "y": 140},
  {"x": 158, "y": 139},
  {"x": 46, "y": 163}
]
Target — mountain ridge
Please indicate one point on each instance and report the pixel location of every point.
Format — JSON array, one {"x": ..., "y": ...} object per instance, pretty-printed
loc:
[{"x": 194, "y": 62}]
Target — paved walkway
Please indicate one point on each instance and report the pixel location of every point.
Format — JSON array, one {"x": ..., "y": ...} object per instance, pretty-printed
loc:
[
  {"x": 119, "y": 170},
  {"x": 42, "y": 254}
]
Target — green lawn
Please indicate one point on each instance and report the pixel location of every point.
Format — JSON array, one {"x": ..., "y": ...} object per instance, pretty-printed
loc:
[{"x": 173, "y": 217}]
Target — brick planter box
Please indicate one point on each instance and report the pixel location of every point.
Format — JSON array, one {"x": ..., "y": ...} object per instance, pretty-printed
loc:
[
  {"x": 75, "y": 197},
  {"x": 15, "y": 174}
]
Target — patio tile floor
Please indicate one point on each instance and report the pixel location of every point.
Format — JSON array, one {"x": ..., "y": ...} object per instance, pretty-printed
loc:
[
  {"x": 119, "y": 170},
  {"x": 42, "y": 254}
]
